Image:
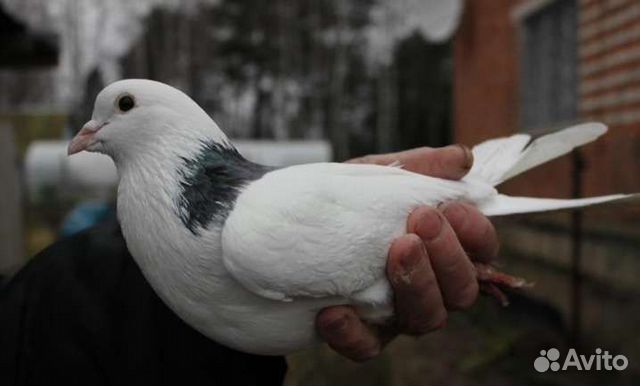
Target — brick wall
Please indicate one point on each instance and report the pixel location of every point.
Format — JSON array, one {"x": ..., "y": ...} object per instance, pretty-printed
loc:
[
  {"x": 486, "y": 97},
  {"x": 609, "y": 53},
  {"x": 485, "y": 72}
]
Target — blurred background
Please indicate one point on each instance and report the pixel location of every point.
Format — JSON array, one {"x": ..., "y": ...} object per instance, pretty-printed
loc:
[{"x": 303, "y": 81}]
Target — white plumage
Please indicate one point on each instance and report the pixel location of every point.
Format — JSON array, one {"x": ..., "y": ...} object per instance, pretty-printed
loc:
[{"x": 251, "y": 265}]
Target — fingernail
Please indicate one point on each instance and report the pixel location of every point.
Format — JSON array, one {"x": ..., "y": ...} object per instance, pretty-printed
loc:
[
  {"x": 429, "y": 224},
  {"x": 468, "y": 156},
  {"x": 410, "y": 259}
]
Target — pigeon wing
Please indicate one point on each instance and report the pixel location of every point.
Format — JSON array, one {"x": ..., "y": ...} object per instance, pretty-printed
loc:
[{"x": 322, "y": 230}]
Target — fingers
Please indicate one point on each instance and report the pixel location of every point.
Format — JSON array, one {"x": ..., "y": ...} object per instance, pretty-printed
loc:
[
  {"x": 343, "y": 330},
  {"x": 453, "y": 269},
  {"x": 418, "y": 303},
  {"x": 429, "y": 271},
  {"x": 450, "y": 162},
  {"x": 475, "y": 232}
]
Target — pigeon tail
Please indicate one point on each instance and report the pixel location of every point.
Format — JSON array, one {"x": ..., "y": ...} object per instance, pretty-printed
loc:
[
  {"x": 498, "y": 160},
  {"x": 502, "y": 204}
]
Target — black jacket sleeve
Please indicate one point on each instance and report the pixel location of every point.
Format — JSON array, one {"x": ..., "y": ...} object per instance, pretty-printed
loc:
[{"x": 82, "y": 313}]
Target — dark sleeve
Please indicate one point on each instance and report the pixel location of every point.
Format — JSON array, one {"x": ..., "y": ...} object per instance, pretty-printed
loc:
[{"x": 82, "y": 313}]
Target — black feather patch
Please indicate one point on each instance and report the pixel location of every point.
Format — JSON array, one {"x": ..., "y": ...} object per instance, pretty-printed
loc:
[{"x": 211, "y": 182}]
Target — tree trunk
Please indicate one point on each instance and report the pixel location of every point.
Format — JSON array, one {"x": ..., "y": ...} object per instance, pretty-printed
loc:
[
  {"x": 338, "y": 134},
  {"x": 386, "y": 120}
]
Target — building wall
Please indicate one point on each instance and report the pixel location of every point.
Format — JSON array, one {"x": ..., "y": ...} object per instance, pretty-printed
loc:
[
  {"x": 11, "y": 241},
  {"x": 485, "y": 72},
  {"x": 609, "y": 53},
  {"x": 486, "y": 96}
]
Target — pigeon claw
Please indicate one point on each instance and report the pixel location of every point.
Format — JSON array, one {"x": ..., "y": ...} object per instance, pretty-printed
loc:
[{"x": 492, "y": 281}]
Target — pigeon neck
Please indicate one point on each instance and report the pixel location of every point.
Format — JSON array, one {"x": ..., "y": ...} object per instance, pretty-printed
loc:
[
  {"x": 210, "y": 182},
  {"x": 197, "y": 184},
  {"x": 172, "y": 211}
]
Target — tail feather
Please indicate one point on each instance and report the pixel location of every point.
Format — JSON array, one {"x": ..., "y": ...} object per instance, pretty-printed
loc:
[
  {"x": 501, "y": 204},
  {"x": 497, "y": 160},
  {"x": 494, "y": 158}
]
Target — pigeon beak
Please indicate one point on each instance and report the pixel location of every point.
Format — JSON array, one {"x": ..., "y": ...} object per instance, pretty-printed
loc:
[{"x": 85, "y": 137}]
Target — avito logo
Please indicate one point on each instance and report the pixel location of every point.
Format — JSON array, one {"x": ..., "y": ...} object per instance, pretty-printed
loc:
[{"x": 550, "y": 360}]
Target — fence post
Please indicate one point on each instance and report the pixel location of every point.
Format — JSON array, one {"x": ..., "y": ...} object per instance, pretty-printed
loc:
[{"x": 576, "y": 251}]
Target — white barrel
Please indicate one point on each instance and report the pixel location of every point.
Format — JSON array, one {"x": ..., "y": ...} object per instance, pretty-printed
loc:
[{"x": 49, "y": 171}]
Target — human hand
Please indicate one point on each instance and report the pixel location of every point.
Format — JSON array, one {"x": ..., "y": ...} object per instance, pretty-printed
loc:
[{"x": 430, "y": 268}]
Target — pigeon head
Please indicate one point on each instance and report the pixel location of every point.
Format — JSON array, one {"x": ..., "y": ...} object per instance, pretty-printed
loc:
[{"x": 137, "y": 116}]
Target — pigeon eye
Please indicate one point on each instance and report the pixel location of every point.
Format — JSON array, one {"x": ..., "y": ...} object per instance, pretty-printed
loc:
[{"x": 126, "y": 103}]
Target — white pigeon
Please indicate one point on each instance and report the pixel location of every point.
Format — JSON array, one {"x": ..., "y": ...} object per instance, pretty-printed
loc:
[{"x": 249, "y": 254}]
